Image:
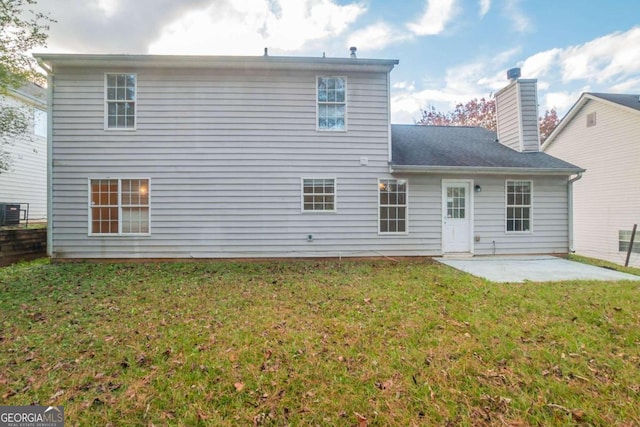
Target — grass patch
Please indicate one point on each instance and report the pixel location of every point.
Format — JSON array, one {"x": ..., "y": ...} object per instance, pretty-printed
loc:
[
  {"x": 605, "y": 264},
  {"x": 316, "y": 343}
]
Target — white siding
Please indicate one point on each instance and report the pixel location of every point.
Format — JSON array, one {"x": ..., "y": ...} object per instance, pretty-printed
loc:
[
  {"x": 225, "y": 151},
  {"x": 517, "y": 116},
  {"x": 508, "y": 118},
  {"x": 529, "y": 115},
  {"x": 26, "y": 181},
  {"x": 607, "y": 198}
]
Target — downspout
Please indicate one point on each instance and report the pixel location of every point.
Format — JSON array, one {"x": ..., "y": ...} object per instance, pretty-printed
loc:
[
  {"x": 50, "y": 76},
  {"x": 389, "y": 120},
  {"x": 570, "y": 196}
]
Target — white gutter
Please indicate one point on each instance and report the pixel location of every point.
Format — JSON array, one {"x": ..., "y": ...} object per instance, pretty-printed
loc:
[
  {"x": 483, "y": 169},
  {"x": 570, "y": 197},
  {"x": 50, "y": 76},
  {"x": 222, "y": 62}
]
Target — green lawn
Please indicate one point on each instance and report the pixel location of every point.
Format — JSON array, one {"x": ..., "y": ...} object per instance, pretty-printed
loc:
[{"x": 360, "y": 343}]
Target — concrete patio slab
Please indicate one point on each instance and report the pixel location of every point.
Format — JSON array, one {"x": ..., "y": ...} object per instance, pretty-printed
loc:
[{"x": 519, "y": 269}]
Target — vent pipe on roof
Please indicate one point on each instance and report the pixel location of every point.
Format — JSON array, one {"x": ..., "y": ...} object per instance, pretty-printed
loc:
[
  {"x": 266, "y": 51},
  {"x": 353, "y": 50}
]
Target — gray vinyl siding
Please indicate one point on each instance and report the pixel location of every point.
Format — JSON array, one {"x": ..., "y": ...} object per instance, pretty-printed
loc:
[
  {"x": 607, "y": 198},
  {"x": 517, "y": 107},
  {"x": 508, "y": 117},
  {"x": 529, "y": 115},
  {"x": 224, "y": 152},
  {"x": 549, "y": 226}
]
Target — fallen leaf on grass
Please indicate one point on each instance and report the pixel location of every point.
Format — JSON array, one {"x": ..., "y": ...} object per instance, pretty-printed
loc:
[
  {"x": 385, "y": 385},
  {"x": 578, "y": 415},
  {"x": 202, "y": 415},
  {"x": 239, "y": 386},
  {"x": 57, "y": 394},
  {"x": 362, "y": 420}
]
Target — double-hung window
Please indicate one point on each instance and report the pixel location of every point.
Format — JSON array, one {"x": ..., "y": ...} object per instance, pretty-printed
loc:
[
  {"x": 518, "y": 206},
  {"x": 392, "y": 201},
  {"x": 332, "y": 103},
  {"x": 120, "y": 99},
  {"x": 318, "y": 194},
  {"x": 119, "y": 206}
]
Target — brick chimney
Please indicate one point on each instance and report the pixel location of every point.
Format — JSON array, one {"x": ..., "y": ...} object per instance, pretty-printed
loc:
[{"x": 517, "y": 113}]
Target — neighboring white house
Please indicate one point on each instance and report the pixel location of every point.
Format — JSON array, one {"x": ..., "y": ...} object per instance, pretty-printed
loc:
[
  {"x": 220, "y": 157},
  {"x": 601, "y": 133},
  {"x": 26, "y": 180}
]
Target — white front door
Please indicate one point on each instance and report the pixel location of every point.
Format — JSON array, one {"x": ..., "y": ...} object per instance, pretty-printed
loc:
[{"x": 457, "y": 215}]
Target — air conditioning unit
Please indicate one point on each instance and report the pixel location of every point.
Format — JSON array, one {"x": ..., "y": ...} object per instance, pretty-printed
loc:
[{"x": 9, "y": 214}]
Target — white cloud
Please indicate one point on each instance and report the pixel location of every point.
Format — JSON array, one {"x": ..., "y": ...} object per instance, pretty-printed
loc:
[
  {"x": 407, "y": 86},
  {"x": 519, "y": 20},
  {"x": 245, "y": 27},
  {"x": 628, "y": 86},
  {"x": 540, "y": 64},
  {"x": 485, "y": 5},
  {"x": 561, "y": 101},
  {"x": 406, "y": 106},
  {"x": 606, "y": 58},
  {"x": 376, "y": 36},
  {"x": 109, "y": 7},
  {"x": 436, "y": 16}
]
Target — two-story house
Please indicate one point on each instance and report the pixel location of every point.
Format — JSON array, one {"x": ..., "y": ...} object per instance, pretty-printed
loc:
[
  {"x": 601, "y": 132},
  {"x": 24, "y": 181},
  {"x": 220, "y": 157}
]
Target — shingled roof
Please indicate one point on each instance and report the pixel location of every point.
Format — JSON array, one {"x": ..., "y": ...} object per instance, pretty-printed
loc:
[
  {"x": 628, "y": 100},
  {"x": 463, "y": 148}
]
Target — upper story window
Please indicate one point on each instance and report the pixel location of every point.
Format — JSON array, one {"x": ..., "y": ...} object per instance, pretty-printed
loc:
[
  {"x": 121, "y": 101},
  {"x": 332, "y": 103},
  {"x": 39, "y": 123}
]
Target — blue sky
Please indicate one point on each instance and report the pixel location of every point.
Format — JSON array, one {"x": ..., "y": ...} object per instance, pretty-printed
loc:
[{"x": 449, "y": 50}]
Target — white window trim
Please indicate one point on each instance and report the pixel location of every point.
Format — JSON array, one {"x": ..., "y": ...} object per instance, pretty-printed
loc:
[
  {"x": 106, "y": 105},
  {"x": 346, "y": 103},
  {"x": 335, "y": 194},
  {"x": 506, "y": 206},
  {"x": 406, "y": 207},
  {"x": 120, "y": 233}
]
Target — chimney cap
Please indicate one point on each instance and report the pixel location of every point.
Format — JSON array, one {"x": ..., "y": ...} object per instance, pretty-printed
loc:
[
  {"x": 513, "y": 74},
  {"x": 353, "y": 50}
]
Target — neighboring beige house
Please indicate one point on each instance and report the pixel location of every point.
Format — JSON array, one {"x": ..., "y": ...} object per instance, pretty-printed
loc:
[
  {"x": 601, "y": 133},
  {"x": 26, "y": 180}
]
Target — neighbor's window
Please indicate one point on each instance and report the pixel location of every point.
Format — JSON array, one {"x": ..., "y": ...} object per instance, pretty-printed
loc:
[
  {"x": 332, "y": 103},
  {"x": 318, "y": 194},
  {"x": 121, "y": 101},
  {"x": 119, "y": 206},
  {"x": 392, "y": 196},
  {"x": 519, "y": 206},
  {"x": 624, "y": 240},
  {"x": 39, "y": 123}
]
